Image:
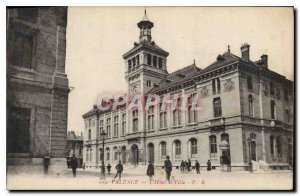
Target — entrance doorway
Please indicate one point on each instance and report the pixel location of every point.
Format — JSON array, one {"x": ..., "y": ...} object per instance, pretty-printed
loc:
[
  {"x": 150, "y": 148},
  {"x": 134, "y": 154}
]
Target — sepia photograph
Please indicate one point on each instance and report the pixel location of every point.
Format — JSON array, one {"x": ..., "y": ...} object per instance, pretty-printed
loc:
[{"x": 150, "y": 98}]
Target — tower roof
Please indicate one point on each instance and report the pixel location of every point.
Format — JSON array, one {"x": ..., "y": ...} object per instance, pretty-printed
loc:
[{"x": 145, "y": 22}]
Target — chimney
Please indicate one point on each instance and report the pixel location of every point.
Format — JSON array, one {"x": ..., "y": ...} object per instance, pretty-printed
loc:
[
  {"x": 245, "y": 50},
  {"x": 264, "y": 60}
]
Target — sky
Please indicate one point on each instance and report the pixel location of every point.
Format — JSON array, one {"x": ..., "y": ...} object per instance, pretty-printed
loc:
[{"x": 97, "y": 37}]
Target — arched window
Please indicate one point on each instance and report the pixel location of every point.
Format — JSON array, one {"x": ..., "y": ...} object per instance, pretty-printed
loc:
[
  {"x": 272, "y": 145},
  {"x": 107, "y": 150},
  {"x": 213, "y": 145},
  {"x": 177, "y": 149},
  {"x": 151, "y": 118},
  {"x": 217, "y": 107},
  {"x": 250, "y": 100},
  {"x": 193, "y": 148},
  {"x": 135, "y": 121},
  {"x": 115, "y": 153},
  {"x": 225, "y": 137},
  {"x": 278, "y": 145},
  {"x": 163, "y": 150}
]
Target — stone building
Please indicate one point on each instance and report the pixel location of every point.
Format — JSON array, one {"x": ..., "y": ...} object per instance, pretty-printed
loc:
[
  {"x": 246, "y": 112},
  {"x": 74, "y": 147},
  {"x": 37, "y": 87}
]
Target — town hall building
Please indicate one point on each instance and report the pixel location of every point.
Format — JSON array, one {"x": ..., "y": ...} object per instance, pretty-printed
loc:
[{"x": 246, "y": 113}]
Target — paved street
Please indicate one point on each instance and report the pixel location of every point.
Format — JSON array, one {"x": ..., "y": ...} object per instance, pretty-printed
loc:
[{"x": 90, "y": 180}]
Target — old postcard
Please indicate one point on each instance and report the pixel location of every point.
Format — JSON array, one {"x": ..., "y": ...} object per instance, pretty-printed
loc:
[{"x": 150, "y": 98}]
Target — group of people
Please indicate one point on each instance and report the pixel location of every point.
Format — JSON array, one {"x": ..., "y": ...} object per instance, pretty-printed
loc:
[{"x": 184, "y": 167}]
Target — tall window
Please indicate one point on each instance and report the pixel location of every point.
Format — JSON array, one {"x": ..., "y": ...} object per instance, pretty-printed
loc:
[
  {"x": 148, "y": 83},
  {"x": 272, "y": 145},
  {"x": 278, "y": 145},
  {"x": 250, "y": 100},
  {"x": 129, "y": 65},
  {"x": 123, "y": 124},
  {"x": 101, "y": 127},
  {"x": 160, "y": 63},
  {"x": 249, "y": 83},
  {"x": 162, "y": 117},
  {"x": 149, "y": 59},
  {"x": 213, "y": 145},
  {"x": 135, "y": 121},
  {"x": 177, "y": 150},
  {"x": 217, "y": 105},
  {"x": 108, "y": 127},
  {"x": 272, "y": 88},
  {"x": 91, "y": 154},
  {"x": 216, "y": 86},
  {"x": 107, "y": 154},
  {"x": 115, "y": 151},
  {"x": 133, "y": 62},
  {"x": 137, "y": 60},
  {"x": 151, "y": 118},
  {"x": 18, "y": 130},
  {"x": 177, "y": 113},
  {"x": 163, "y": 150},
  {"x": 90, "y": 135},
  {"x": 116, "y": 126},
  {"x": 155, "y": 61},
  {"x": 21, "y": 50},
  {"x": 287, "y": 116},
  {"x": 286, "y": 95},
  {"x": 192, "y": 113},
  {"x": 87, "y": 154},
  {"x": 273, "y": 109},
  {"x": 193, "y": 148}
]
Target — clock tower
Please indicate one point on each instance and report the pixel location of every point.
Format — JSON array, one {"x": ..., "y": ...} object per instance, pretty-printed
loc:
[{"x": 146, "y": 62}]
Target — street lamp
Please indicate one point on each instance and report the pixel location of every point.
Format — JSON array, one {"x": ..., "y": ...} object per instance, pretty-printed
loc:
[
  {"x": 249, "y": 146},
  {"x": 119, "y": 151},
  {"x": 103, "y": 137}
]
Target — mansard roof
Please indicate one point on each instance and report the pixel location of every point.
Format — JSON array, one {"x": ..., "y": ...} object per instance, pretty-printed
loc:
[
  {"x": 177, "y": 77},
  {"x": 224, "y": 59},
  {"x": 152, "y": 46}
]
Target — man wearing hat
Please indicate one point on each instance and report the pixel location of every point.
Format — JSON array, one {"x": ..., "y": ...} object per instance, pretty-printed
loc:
[
  {"x": 168, "y": 168},
  {"x": 119, "y": 169}
]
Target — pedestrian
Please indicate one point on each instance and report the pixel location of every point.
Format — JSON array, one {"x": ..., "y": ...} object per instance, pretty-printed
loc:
[
  {"x": 182, "y": 165},
  {"x": 197, "y": 167},
  {"x": 83, "y": 166},
  {"x": 119, "y": 169},
  {"x": 189, "y": 165},
  {"x": 208, "y": 165},
  {"x": 168, "y": 168},
  {"x": 74, "y": 165},
  {"x": 185, "y": 166},
  {"x": 108, "y": 168},
  {"x": 150, "y": 170}
]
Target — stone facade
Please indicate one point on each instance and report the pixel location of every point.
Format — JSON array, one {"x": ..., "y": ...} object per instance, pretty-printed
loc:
[
  {"x": 238, "y": 117},
  {"x": 37, "y": 86}
]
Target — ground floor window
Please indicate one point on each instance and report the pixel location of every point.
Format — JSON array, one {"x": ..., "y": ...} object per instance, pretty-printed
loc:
[{"x": 18, "y": 126}]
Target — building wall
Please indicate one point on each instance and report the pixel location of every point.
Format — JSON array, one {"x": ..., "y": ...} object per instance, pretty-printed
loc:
[{"x": 43, "y": 86}]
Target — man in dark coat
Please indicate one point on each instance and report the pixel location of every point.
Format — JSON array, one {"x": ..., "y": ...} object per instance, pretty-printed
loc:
[
  {"x": 197, "y": 167},
  {"x": 119, "y": 169},
  {"x": 150, "y": 170},
  {"x": 108, "y": 168},
  {"x": 74, "y": 164},
  {"x": 168, "y": 168},
  {"x": 182, "y": 165},
  {"x": 208, "y": 165},
  {"x": 189, "y": 165}
]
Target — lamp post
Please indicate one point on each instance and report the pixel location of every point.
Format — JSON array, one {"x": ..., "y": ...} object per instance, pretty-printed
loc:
[
  {"x": 249, "y": 146},
  {"x": 103, "y": 137},
  {"x": 119, "y": 151}
]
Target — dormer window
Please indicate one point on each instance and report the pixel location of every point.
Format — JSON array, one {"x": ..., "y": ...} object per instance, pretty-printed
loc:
[
  {"x": 160, "y": 63},
  {"x": 155, "y": 61},
  {"x": 149, "y": 59}
]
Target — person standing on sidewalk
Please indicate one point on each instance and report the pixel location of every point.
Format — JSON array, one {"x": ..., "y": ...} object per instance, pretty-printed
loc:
[
  {"x": 208, "y": 165},
  {"x": 150, "y": 170},
  {"x": 168, "y": 168},
  {"x": 189, "y": 165},
  {"x": 119, "y": 168},
  {"x": 108, "y": 168},
  {"x": 197, "y": 167},
  {"x": 74, "y": 165}
]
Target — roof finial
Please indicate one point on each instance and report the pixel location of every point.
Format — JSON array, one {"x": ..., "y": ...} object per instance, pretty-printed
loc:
[
  {"x": 145, "y": 11},
  {"x": 228, "y": 48},
  {"x": 194, "y": 62}
]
